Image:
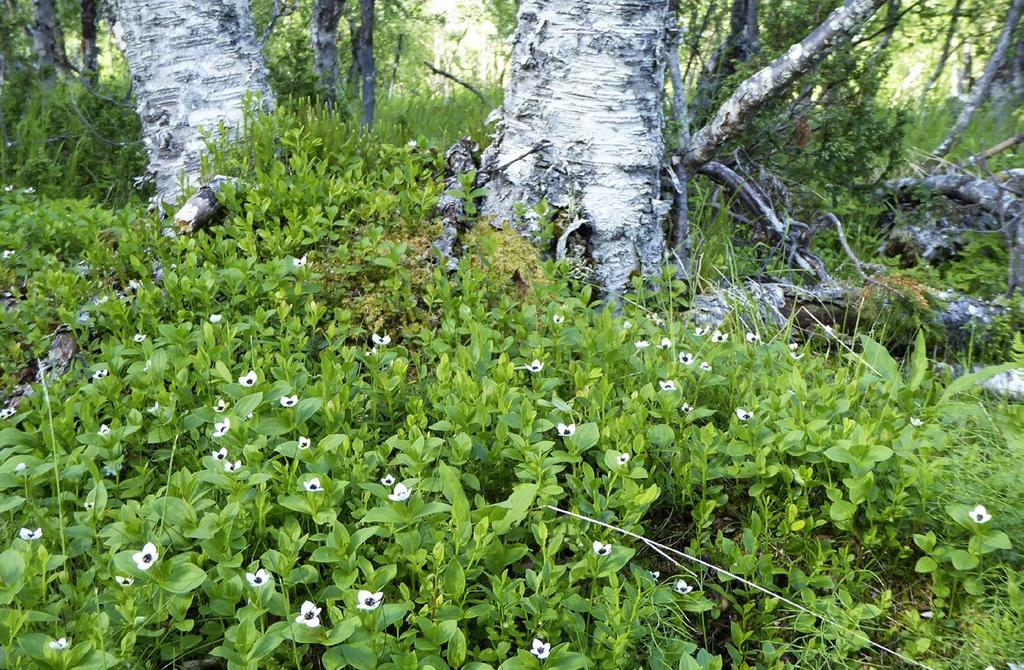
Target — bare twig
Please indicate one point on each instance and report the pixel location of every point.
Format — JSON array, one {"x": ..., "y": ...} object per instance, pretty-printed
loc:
[
  {"x": 279, "y": 9},
  {"x": 473, "y": 89},
  {"x": 534, "y": 149},
  {"x": 1008, "y": 143}
]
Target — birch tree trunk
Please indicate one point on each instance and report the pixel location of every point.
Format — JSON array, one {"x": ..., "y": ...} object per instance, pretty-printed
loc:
[
  {"x": 583, "y": 104},
  {"x": 192, "y": 63},
  {"x": 47, "y": 36},
  {"x": 324, "y": 41},
  {"x": 367, "y": 64},
  {"x": 984, "y": 85},
  {"x": 90, "y": 50}
]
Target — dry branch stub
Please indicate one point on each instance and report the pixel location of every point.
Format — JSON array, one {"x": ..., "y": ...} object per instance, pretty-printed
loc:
[{"x": 202, "y": 207}]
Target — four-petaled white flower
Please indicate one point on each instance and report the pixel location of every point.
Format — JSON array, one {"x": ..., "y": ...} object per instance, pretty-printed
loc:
[
  {"x": 743, "y": 415},
  {"x": 309, "y": 615},
  {"x": 304, "y": 443},
  {"x": 626, "y": 325},
  {"x": 686, "y": 358},
  {"x": 601, "y": 549},
  {"x": 124, "y": 581},
  {"x": 312, "y": 485},
  {"x": 104, "y": 430},
  {"x": 139, "y": 338},
  {"x": 220, "y": 406},
  {"x": 299, "y": 262},
  {"x": 412, "y": 144},
  {"x": 719, "y": 336},
  {"x": 565, "y": 430},
  {"x": 752, "y": 337},
  {"x": 980, "y": 515},
  {"x": 20, "y": 468},
  {"x": 59, "y": 645},
  {"x": 641, "y": 344},
  {"x": 30, "y": 535},
  {"x": 540, "y": 649},
  {"x": 686, "y": 408},
  {"x": 667, "y": 385},
  {"x": 101, "y": 373},
  {"x": 232, "y": 467},
  {"x": 215, "y": 318},
  {"x": 381, "y": 340},
  {"x": 388, "y": 480},
  {"x": 289, "y": 400},
  {"x": 535, "y": 366},
  {"x": 221, "y": 428},
  {"x": 8, "y": 253},
  {"x": 248, "y": 379},
  {"x": 369, "y": 601},
  {"x": 145, "y": 559},
  {"x": 258, "y": 578},
  {"x": 682, "y": 587},
  {"x": 915, "y": 422},
  {"x": 793, "y": 346},
  {"x": 665, "y": 343},
  {"x": 705, "y": 366},
  {"x": 701, "y": 331},
  {"x": 623, "y": 458},
  {"x": 220, "y": 454},
  {"x": 557, "y": 319},
  {"x": 7, "y": 412},
  {"x": 400, "y": 493}
]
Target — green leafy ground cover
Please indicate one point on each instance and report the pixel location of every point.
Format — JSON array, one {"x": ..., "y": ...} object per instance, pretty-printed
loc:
[{"x": 817, "y": 467}]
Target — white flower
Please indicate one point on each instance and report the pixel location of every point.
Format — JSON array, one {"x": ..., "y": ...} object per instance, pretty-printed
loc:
[
  {"x": 368, "y": 601},
  {"x": 88, "y": 505},
  {"x": 101, "y": 373},
  {"x": 565, "y": 430},
  {"x": 258, "y": 578},
  {"x": 381, "y": 340},
  {"x": 299, "y": 262},
  {"x": 752, "y": 337},
  {"x": 980, "y": 515},
  {"x": 658, "y": 321},
  {"x": 719, "y": 336},
  {"x": 8, "y": 253},
  {"x": 655, "y": 575},
  {"x": 220, "y": 454},
  {"x": 626, "y": 325},
  {"x": 743, "y": 415},
  {"x": 152, "y": 409},
  {"x": 139, "y": 338},
  {"x": 124, "y": 581},
  {"x": 535, "y": 366},
  {"x": 927, "y": 614},
  {"x": 665, "y": 343},
  {"x": 7, "y": 412},
  {"x": 540, "y": 649},
  {"x": 388, "y": 480},
  {"x": 104, "y": 430},
  {"x": 313, "y": 485},
  {"x": 705, "y": 366},
  {"x": 686, "y": 358},
  {"x": 623, "y": 458},
  {"x": 371, "y": 352},
  {"x": 793, "y": 346},
  {"x": 20, "y": 467},
  {"x": 641, "y": 344},
  {"x": 412, "y": 144},
  {"x": 682, "y": 587},
  {"x": 248, "y": 379},
  {"x": 29, "y": 535},
  {"x": 289, "y": 400},
  {"x": 221, "y": 428},
  {"x": 30, "y": 189},
  {"x": 220, "y": 406},
  {"x": 215, "y": 318},
  {"x": 795, "y": 356},
  {"x": 601, "y": 549},
  {"x": 309, "y": 615},
  {"x": 145, "y": 559},
  {"x": 701, "y": 331},
  {"x": 400, "y": 493},
  {"x": 9, "y": 188},
  {"x": 667, "y": 385},
  {"x": 59, "y": 645},
  {"x": 915, "y": 422},
  {"x": 232, "y": 467},
  {"x": 557, "y": 319},
  {"x": 304, "y": 443}
]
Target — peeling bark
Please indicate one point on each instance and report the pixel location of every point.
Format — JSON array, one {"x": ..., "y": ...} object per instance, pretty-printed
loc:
[
  {"x": 47, "y": 36},
  {"x": 981, "y": 90},
  {"x": 367, "y": 64},
  {"x": 193, "y": 62},
  {"x": 323, "y": 37},
  {"x": 989, "y": 196},
  {"x": 461, "y": 160},
  {"x": 679, "y": 241},
  {"x": 587, "y": 77},
  {"x": 734, "y": 115}
]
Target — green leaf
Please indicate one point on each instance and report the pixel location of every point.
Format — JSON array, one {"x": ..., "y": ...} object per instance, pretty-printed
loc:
[
  {"x": 918, "y": 361},
  {"x": 925, "y": 564},
  {"x": 842, "y": 510},
  {"x": 12, "y": 567},
  {"x": 248, "y": 404},
  {"x": 184, "y": 577},
  {"x": 518, "y": 505},
  {"x": 961, "y": 384},
  {"x": 963, "y": 560},
  {"x": 878, "y": 358},
  {"x": 359, "y": 657}
]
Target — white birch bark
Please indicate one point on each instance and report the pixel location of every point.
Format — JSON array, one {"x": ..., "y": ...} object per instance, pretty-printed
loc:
[
  {"x": 324, "y": 41},
  {"x": 192, "y": 62},
  {"x": 587, "y": 81},
  {"x": 984, "y": 85}
]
